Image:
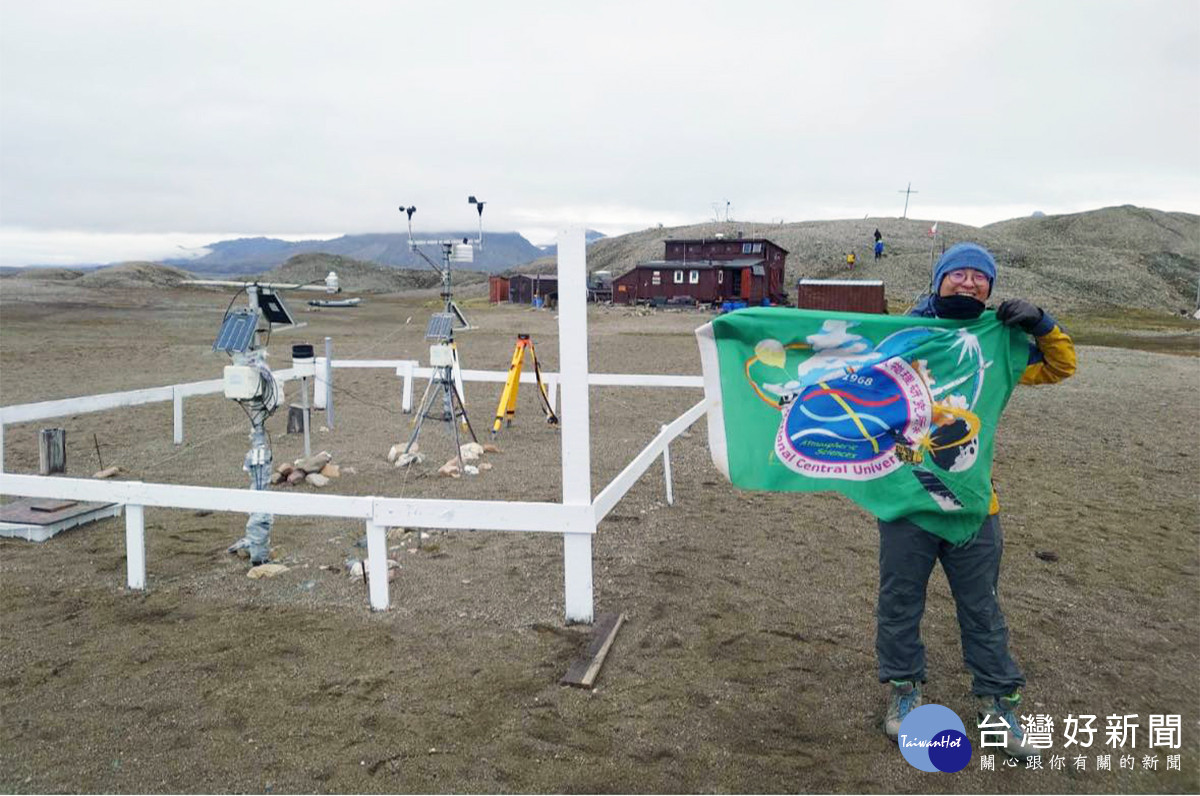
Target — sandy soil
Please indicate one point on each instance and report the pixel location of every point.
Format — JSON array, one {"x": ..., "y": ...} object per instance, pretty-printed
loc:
[{"x": 746, "y": 664}]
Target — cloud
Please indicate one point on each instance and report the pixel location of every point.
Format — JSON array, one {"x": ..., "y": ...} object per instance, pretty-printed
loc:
[{"x": 141, "y": 117}]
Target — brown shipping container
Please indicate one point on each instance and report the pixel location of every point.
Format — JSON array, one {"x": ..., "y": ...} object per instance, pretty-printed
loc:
[{"x": 841, "y": 295}]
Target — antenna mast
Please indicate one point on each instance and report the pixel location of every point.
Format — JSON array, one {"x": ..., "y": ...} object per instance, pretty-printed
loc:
[{"x": 906, "y": 192}]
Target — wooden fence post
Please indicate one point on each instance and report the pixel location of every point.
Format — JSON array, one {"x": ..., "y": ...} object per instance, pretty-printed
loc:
[{"x": 52, "y": 451}]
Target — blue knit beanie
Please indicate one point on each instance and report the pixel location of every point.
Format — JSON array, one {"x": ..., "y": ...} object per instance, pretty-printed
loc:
[{"x": 965, "y": 255}]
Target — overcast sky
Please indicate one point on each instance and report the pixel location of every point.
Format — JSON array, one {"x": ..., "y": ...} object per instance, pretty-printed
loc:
[{"x": 132, "y": 129}]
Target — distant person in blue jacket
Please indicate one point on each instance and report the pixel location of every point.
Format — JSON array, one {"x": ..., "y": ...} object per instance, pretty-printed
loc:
[{"x": 878, "y": 249}]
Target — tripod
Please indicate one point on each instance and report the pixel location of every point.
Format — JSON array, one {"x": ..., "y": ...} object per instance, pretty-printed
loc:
[
  {"x": 442, "y": 357},
  {"x": 507, "y": 408}
]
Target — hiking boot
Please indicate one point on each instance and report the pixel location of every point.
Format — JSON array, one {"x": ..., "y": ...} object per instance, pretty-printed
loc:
[
  {"x": 905, "y": 696},
  {"x": 997, "y": 715}
]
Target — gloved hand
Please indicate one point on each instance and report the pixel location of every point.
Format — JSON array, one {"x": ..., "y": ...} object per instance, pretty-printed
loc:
[{"x": 1019, "y": 313}]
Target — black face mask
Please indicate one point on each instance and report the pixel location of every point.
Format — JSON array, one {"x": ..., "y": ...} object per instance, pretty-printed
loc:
[{"x": 958, "y": 308}]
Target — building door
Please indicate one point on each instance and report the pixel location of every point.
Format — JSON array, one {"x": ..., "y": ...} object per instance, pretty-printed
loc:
[{"x": 737, "y": 281}]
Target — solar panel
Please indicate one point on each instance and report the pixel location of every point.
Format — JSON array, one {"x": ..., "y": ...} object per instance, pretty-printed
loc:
[
  {"x": 440, "y": 326},
  {"x": 274, "y": 309},
  {"x": 237, "y": 331}
]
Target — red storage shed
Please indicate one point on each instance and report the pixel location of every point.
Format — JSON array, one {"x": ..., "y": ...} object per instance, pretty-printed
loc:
[{"x": 842, "y": 295}]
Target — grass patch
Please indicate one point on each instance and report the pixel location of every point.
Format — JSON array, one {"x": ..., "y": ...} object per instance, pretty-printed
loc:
[
  {"x": 1181, "y": 344},
  {"x": 1137, "y": 329}
]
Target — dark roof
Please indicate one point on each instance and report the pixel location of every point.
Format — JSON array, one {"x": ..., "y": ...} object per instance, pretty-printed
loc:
[
  {"x": 725, "y": 240},
  {"x": 697, "y": 265},
  {"x": 843, "y": 282}
]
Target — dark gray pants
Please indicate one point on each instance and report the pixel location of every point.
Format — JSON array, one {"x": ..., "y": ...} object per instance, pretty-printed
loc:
[{"x": 906, "y": 557}]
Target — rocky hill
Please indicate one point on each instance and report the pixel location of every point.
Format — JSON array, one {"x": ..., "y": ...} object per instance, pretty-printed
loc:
[
  {"x": 1118, "y": 256},
  {"x": 134, "y": 274},
  {"x": 357, "y": 276},
  {"x": 500, "y": 250}
]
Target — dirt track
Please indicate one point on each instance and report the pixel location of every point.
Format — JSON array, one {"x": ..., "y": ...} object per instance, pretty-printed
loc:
[{"x": 747, "y": 660}]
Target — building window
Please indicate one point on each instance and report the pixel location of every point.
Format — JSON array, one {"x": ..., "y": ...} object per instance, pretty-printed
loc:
[
  {"x": 747, "y": 247},
  {"x": 679, "y": 277},
  {"x": 720, "y": 277},
  {"x": 693, "y": 277},
  {"x": 656, "y": 278}
]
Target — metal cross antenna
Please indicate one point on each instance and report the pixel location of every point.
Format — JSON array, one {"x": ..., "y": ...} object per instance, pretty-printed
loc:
[{"x": 906, "y": 192}]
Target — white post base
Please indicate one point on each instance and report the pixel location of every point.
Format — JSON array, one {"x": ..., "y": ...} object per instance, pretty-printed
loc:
[
  {"x": 667, "y": 471},
  {"x": 177, "y": 401},
  {"x": 377, "y": 572},
  {"x": 577, "y": 577},
  {"x": 135, "y": 546}
]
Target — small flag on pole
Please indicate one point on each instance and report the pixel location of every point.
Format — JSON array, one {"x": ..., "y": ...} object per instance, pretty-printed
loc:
[{"x": 933, "y": 229}]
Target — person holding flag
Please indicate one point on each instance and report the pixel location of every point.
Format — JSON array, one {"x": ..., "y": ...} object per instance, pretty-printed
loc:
[
  {"x": 900, "y": 415},
  {"x": 963, "y": 279}
]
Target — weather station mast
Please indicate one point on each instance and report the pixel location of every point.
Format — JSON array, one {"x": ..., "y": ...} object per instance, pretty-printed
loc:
[
  {"x": 249, "y": 382},
  {"x": 453, "y": 251},
  {"x": 446, "y": 379}
]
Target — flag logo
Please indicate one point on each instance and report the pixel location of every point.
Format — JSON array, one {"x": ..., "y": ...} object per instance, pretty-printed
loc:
[{"x": 897, "y": 413}]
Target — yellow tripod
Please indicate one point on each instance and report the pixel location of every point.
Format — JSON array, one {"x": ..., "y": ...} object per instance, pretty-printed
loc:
[{"x": 507, "y": 407}]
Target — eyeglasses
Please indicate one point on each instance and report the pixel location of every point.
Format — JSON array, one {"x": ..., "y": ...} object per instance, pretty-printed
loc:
[{"x": 960, "y": 275}]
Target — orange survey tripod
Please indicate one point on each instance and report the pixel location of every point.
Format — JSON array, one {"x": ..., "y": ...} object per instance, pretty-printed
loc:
[{"x": 507, "y": 407}]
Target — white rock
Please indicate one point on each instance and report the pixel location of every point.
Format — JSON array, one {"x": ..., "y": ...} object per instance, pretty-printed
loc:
[
  {"x": 470, "y": 469},
  {"x": 471, "y": 451},
  {"x": 266, "y": 571},
  {"x": 405, "y": 459},
  {"x": 314, "y": 463},
  {"x": 398, "y": 449},
  {"x": 316, "y": 479}
]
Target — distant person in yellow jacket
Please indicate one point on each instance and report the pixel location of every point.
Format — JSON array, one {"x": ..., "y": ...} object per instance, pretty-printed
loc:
[
  {"x": 850, "y": 260},
  {"x": 962, "y": 281}
]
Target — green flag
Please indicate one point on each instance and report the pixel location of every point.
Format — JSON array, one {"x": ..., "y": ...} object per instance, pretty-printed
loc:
[{"x": 898, "y": 413}]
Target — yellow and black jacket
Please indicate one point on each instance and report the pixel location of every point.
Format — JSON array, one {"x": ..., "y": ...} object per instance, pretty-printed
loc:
[{"x": 1051, "y": 359}]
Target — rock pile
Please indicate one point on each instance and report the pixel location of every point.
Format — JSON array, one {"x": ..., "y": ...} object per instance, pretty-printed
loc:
[
  {"x": 456, "y": 467},
  {"x": 316, "y": 470}
]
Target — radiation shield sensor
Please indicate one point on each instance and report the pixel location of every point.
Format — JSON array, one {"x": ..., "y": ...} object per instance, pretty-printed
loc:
[
  {"x": 462, "y": 253},
  {"x": 237, "y": 332}
]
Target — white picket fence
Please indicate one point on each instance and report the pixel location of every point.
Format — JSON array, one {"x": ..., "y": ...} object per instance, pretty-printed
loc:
[{"x": 576, "y": 517}]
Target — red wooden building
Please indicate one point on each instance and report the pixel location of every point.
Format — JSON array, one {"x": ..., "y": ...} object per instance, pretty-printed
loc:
[
  {"x": 842, "y": 295},
  {"x": 497, "y": 289},
  {"x": 710, "y": 271}
]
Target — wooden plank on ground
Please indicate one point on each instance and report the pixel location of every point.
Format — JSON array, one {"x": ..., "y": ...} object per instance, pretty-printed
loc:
[
  {"x": 585, "y": 669},
  {"x": 51, "y": 504}
]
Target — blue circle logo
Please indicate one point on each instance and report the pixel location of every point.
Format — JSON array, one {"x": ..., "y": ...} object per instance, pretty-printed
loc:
[{"x": 933, "y": 738}]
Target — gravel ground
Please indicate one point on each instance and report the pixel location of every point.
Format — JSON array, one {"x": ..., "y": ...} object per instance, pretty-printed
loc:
[{"x": 746, "y": 663}]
